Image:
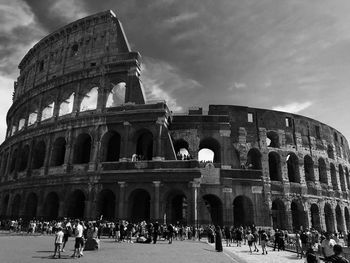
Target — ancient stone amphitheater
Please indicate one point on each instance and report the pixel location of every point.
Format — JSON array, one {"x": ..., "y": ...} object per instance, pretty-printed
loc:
[{"x": 82, "y": 141}]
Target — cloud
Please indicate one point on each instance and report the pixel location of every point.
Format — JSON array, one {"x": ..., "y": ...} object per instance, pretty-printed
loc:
[
  {"x": 162, "y": 81},
  {"x": 181, "y": 18},
  {"x": 293, "y": 107},
  {"x": 6, "y": 85}
]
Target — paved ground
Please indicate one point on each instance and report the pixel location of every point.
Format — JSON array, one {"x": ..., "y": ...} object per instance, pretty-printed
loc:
[{"x": 23, "y": 249}]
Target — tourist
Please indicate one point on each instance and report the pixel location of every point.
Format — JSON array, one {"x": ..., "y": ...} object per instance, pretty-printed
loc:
[
  {"x": 65, "y": 237},
  {"x": 239, "y": 236},
  {"x": 227, "y": 236},
  {"x": 79, "y": 240},
  {"x": 255, "y": 240},
  {"x": 250, "y": 238},
  {"x": 218, "y": 239},
  {"x": 337, "y": 257},
  {"x": 298, "y": 245},
  {"x": 264, "y": 240},
  {"x": 276, "y": 240},
  {"x": 170, "y": 233},
  {"x": 311, "y": 256},
  {"x": 58, "y": 242},
  {"x": 155, "y": 232},
  {"x": 327, "y": 246}
]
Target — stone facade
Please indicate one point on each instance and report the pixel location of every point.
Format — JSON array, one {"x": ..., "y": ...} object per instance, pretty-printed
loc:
[{"x": 79, "y": 119}]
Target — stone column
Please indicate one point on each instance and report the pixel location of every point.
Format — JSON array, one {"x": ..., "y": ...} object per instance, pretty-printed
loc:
[
  {"x": 156, "y": 215},
  {"x": 48, "y": 155},
  {"x": 195, "y": 196},
  {"x": 68, "y": 156},
  {"x": 125, "y": 154},
  {"x": 289, "y": 220},
  {"x": 334, "y": 218},
  {"x": 121, "y": 214},
  {"x": 62, "y": 209},
  {"x": 322, "y": 217},
  {"x": 94, "y": 153},
  {"x": 161, "y": 124}
]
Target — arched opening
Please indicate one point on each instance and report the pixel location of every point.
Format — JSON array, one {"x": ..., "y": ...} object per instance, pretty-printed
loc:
[
  {"x": 58, "y": 152},
  {"x": 254, "y": 159},
  {"x": 347, "y": 177},
  {"x": 279, "y": 216},
  {"x": 243, "y": 211},
  {"x": 111, "y": 147},
  {"x": 16, "y": 204},
  {"x": 236, "y": 159},
  {"x": 117, "y": 95},
  {"x": 181, "y": 149},
  {"x": 329, "y": 218},
  {"x": 214, "y": 209},
  {"x": 206, "y": 155},
  {"x": 334, "y": 177},
  {"x": 89, "y": 101},
  {"x": 293, "y": 168},
  {"x": 272, "y": 139},
  {"x": 298, "y": 215},
  {"x": 309, "y": 168},
  {"x": 144, "y": 147},
  {"x": 31, "y": 206},
  {"x": 347, "y": 217},
  {"x": 21, "y": 124},
  {"x": 176, "y": 208},
  {"x": 106, "y": 204},
  {"x": 66, "y": 106},
  {"x": 13, "y": 161},
  {"x": 32, "y": 118},
  {"x": 76, "y": 204},
  {"x": 315, "y": 217},
  {"x": 5, "y": 203},
  {"x": 275, "y": 167},
  {"x": 4, "y": 164},
  {"x": 213, "y": 145},
  {"x": 51, "y": 206},
  {"x": 24, "y": 158},
  {"x": 339, "y": 218},
  {"x": 47, "y": 112},
  {"x": 322, "y": 171},
  {"x": 341, "y": 178},
  {"x": 139, "y": 205},
  {"x": 39, "y": 155},
  {"x": 330, "y": 152},
  {"x": 74, "y": 50},
  {"x": 82, "y": 149}
]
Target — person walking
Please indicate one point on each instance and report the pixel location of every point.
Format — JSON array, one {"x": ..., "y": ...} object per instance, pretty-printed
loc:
[
  {"x": 58, "y": 242},
  {"x": 263, "y": 242},
  {"x": 155, "y": 232},
  {"x": 250, "y": 238},
  {"x": 337, "y": 257},
  {"x": 327, "y": 247},
  {"x": 218, "y": 239}
]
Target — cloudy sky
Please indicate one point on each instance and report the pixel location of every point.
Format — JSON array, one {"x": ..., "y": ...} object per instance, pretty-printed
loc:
[{"x": 290, "y": 55}]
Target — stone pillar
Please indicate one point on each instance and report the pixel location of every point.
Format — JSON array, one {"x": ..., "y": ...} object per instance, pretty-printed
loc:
[
  {"x": 156, "y": 215},
  {"x": 345, "y": 228},
  {"x": 48, "y": 155},
  {"x": 307, "y": 208},
  {"x": 195, "y": 196},
  {"x": 68, "y": 156},
  {"x": 334, "y": 217},
  {"x": 62, "y": 209},
  {"x": 121, "y": 214},
  {"x": 161, "y": 124},
  {"x": 289, "y": 220},
  {"x": 94, "y": 153},
  {"x": 125, "y": 154},
  {"x": 322, "y": 217}
]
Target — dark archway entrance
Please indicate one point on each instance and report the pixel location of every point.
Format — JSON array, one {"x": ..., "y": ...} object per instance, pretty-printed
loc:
[
  {"x": 76, "y": 204},
  {"x": 340, "y": 220},
  {"x": 243, "y": 211},
  {"x": 278, "y": 214},
  {"x": 254, "y": 159},
  {"x": 298, "y": 215},
  {"x": 24, "y": 158},
  {"x": 315, "y": 217},
  {"x": 274, "y": 167},
  {"x": 51, "y": 206},
  {"x": 82, "y": 149},
  {"x": 329, "y": 218},
  {"x": 214, "y": 207},
  {"x": 58, "y": 152},
  {"x": 176, "y": 208},
  {"x": 111, "y": 147},
  {"x": 293, "y": 168},
  {"x": 144, "y": 147},
  {"x": 106, "y": 204},
  {"x": 39, "y": 155},
  {"x": 31, "y": 206},
  {"x": 309, "y": 169},
  {"x": 347, "y": 218},
  {"x": 5, "y": 203},
  {"x": 16, "y": 204},
  {"x": 139, "y": 205}
]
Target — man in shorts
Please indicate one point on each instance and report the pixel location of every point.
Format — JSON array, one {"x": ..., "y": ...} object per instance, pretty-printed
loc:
[{"x": 79, "y": 240}]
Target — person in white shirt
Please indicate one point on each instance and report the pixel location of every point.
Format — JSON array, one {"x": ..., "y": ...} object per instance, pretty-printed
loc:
[
  {"x": 79, "y": 240},
  {"x": 327, "y": 246},
  {"x": 58, "y": 242}
]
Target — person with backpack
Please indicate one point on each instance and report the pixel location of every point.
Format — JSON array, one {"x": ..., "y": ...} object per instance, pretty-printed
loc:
[{"x": 263, "y": 242}]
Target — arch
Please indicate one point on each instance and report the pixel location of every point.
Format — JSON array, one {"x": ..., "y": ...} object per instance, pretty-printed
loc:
[
  {"x": 82, "y": 149},
  {"x": 213, "y": 145},
  {"x": 110, "y": 150},
  {"x": 293, "y": 168},
  {"x": 341, "y": 178},
  {"x": 76, "y": 204},
  {"x": 298, "y": 215},
  {"x": 16, "y": 204},
  {"x": 116, "y": 96},
  {"x": 322, "y": 171},
  {"x": 329, "y": 218},
  {"x": 243, "y": 211},
  {"x": 214, "y": 208},
  {"x": 315, "y": 217},
  {"x": 58, "y": 152},
  {"x": 66, "y": 106},
  {"x": 176, "y": 208},
  {"x": 236, "y": 159},
  {"x": 144, "y": 146},
  {"x": 272, "y": 139},
  {"x": 330, "y": 152},
  {"x": 4, "y": 206},
  {"x": 339, "y": 219},
  {"x": 106, "y": 204},
  {"x": 47, "y": 112},
  {"x": 279, "y": 215},
  {"x": 31, "y": 206},
  {"x": 51, "y": 206},
  {"x": 309, "y": 168},
  {"x": 347, "y": 177},
  {"x": 4, "y": 164},
  {"x": 24, "y": 158},
  {"x": 254, "y": 159},
  {"x": 89, "y": 101},
  {"x": 347, "y": 217},
  {"x": 333, "y": 177},
  {"x": 275, "y": 167},
  {"x": 32, "y": 118},
  {"x": 13, "y": 161},
  {"x": 39, "y": 155},
  {"x": 139, "y": 206},
  {"x": 21, "y": 124},
  {"x": 181, "y": 148}
]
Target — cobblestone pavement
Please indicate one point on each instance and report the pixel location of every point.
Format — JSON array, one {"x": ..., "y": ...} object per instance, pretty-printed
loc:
[
  {"x": 242, "y": 254},
  {"x": 23, "y": 249}
]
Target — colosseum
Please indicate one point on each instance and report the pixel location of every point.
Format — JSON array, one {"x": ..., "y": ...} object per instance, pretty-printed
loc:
[{"x": 83, "y": 142}]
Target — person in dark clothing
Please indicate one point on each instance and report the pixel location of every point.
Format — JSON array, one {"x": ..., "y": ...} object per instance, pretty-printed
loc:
[
  {"x": 277, "y": 240},
  {"x": 311, "y": 256},
  {"x": 170, "y": 233},
  {"x": 337, "y": 258},
  {"x": 155, "y": 232},
  {"x": 218, "y": 239}
]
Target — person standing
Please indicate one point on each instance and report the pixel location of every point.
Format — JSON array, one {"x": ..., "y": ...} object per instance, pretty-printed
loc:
[
  {"x": 250, "y": 238},
  {"x": 79, "y": 240},
  {"x": 264, "y": 239},
  {"x": 327, "y": 247},
  {"x": 218, "y": 239},
  {"x": 58, "y": 242},
  {"x": 227, "y": 236},
  {"x": 155, "y": 232},
  {"x": 337, "y": 257},
  {"x": 170, "y": 233}
]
